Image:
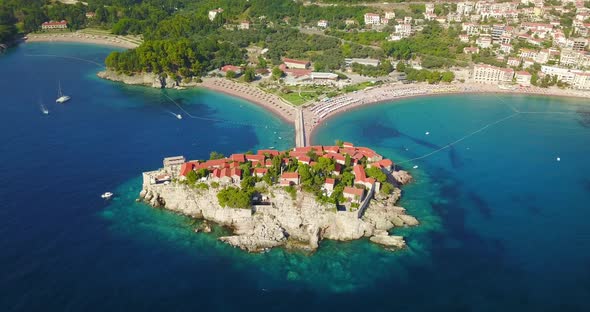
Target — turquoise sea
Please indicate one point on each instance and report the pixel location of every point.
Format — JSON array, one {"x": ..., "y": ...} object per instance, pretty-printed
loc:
[{"x": 503, "y": 221}]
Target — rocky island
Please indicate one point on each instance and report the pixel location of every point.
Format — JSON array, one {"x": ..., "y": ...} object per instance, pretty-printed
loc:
[{"x": 291, "y": 198}]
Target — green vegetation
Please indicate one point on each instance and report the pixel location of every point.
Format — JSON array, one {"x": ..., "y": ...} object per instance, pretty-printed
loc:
[
  {"x": 234, "y": 197},
  {"x": 438, "y": 47},
  {"x": 216, "y": 155},
  {"x": 373, "y": 71}
]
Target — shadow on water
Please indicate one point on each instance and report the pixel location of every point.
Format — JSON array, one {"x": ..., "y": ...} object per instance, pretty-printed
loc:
[
  {"x": 584, "y": 118},
  {"x": 388, "y": 132},
  {"x": 481, "y": 205},
  {"x": 456, "y": 162}
]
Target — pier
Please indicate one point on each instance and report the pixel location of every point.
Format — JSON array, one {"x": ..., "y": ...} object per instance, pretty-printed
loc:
[{"x": 300, "y": 139}]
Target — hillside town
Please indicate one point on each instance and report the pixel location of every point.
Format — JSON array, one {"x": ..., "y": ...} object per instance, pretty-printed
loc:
[
  {"x": 344, "y": 175},
  {"x": 522, "y": 43}
]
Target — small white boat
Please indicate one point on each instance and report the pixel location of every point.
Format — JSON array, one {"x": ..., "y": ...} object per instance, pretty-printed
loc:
[
  {"x": 558, "y": 159},
  {"x": 44, "y": 109},
  {"x": 107, "y": 195},
  {"x": 61, "y": 98},
  {"x": 415, "y": 167},
  {"x": 179, "y": 116},
  {"x": 427, "y": 133}
]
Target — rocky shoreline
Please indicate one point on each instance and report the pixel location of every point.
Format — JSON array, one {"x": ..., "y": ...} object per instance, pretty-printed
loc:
[{"x": 299, "y": 223}]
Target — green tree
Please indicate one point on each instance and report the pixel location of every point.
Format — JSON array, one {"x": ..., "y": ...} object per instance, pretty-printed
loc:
[
  {"x": 191, "y": 177},
  {"x": 448, "y": 76},
  {"x": 215, "y": 155},
  {"x": 277, "y": 73},
  {"x": 249, "y": 74},
  {"x": 230, "y": 74},
  {"x": 376, "y": 173},
  {"x": 386, "y": 188}
]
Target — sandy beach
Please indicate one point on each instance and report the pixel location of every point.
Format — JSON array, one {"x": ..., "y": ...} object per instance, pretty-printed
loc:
[
  {"x": 114, "y": 41},
  {"x": 321, "y": 111},
  {"x": 252, "y": 94}
]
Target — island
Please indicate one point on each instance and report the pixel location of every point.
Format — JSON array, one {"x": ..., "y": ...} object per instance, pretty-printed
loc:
[{"x": 293, "y": 198}]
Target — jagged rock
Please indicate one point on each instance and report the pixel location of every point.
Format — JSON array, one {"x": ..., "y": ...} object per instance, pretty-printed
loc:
[
  {"x": 203, "y": 228},
  {"x": 402, "y": 177},
  {"x": 409, "y": 220},
  {"x": 395, "y": 242}
]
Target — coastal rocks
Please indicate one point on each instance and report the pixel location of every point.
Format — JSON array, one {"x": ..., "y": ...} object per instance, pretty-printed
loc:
[
  {"x": 389, "y": 241},
  {"x": 203, "y": 228},
  {"x": 299, "y": 223},
  {"x": 144, "y": 79},
  {"x": 402, "y": 177}
]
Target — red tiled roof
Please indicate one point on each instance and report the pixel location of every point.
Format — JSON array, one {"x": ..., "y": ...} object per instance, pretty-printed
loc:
[
  {"x": 269, "y": 151},
  {"x": 386, "y": 162},
  {"x": 331, "y": 149},
  {"x": 297, "y": 154},
  {"x": 359, "y": 172},
  {"x": 216, "y": 162},
  {"x": 290, "y": 175},
  {"x": 253, "y": 158},
  {"x": 238, "y": 157},
  {"x": 260, "y": 170},
  {"x": 305, "y": 159},
  {"x": 354, "y": 191},
  {"x": 347, "y": 144},
  {"x": 236, "y": 172},
  {"x": 230, "y": 67},
  {"x": 186, "y": 168},
  {"x": 330, "y": 181},
  {"x": 302, "y": 149}
]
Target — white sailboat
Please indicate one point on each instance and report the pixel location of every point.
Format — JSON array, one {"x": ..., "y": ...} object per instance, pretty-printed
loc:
[{"x": 61, "y": 98}]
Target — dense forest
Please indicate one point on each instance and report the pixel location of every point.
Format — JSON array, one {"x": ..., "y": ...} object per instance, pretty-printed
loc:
[{"x": 181, "y": 42}]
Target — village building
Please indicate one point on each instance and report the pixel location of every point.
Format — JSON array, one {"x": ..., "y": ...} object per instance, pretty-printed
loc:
[
  {"x": 362, "y": 61},
  {"x": 329, "y": 185},
  {"x": 51, "y": 25},
  {"x": 244, "y": 25},
  {"x": 213, "y": 13},
  {"x": 523, "y": 78},
  {"x": 471, "y": 50},
  {"x": 355, "y": 195},
  {"x": 227, "y": 68},
  {"x": 581, "y": 81},
  {"x": 372, "y": 19},
  {"x": 322, "y": 23},
  {"x": 290, "y": 178},
  {"x": 260, "y": 172},
  {"x": 483, "y": 73},
  {"x": 513, "y": 61},
  {"x": 296, "y": 64}
]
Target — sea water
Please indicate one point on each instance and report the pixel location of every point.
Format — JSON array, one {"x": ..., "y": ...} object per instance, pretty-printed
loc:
[{"x": 502, "y": 222}]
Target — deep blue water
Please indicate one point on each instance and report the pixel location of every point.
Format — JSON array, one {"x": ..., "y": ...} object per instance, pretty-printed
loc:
[{"x": 503, "y": 223}]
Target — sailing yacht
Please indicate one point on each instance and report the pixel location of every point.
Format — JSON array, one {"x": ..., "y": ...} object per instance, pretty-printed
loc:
[{"x": 61, "y": 98}]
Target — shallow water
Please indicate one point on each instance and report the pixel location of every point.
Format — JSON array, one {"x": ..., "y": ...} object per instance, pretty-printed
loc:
[{"x": 503, "y": 223}]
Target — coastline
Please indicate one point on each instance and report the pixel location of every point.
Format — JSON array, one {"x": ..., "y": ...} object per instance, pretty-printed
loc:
[
  {"x": 250, "y": 93},
  {"x": 377, "y": 96},
  {"x": 268, "y": 101},
  {"x": 78, "y": 37}
]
